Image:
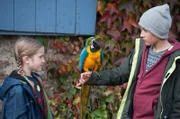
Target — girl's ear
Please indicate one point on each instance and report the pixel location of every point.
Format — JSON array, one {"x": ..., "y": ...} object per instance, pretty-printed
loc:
[{"x": 25, "y": 59}]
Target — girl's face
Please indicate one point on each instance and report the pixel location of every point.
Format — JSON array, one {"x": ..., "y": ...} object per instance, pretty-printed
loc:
[
  {"x": 149, "y": 38},
  {"x": 37, "y": 61}
]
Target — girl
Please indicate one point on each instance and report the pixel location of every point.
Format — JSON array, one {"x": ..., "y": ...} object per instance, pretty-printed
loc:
[{"x": 22, "y": 91}]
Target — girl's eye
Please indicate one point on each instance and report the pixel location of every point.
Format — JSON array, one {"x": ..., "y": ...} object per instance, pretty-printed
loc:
[{"x": 42, "y": 57}]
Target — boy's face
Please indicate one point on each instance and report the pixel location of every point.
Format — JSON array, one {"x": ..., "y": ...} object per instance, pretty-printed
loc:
[{"x": 149, "y": 38}]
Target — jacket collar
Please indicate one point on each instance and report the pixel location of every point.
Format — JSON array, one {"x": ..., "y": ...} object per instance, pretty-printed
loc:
[{"x": 14, "y": 79}]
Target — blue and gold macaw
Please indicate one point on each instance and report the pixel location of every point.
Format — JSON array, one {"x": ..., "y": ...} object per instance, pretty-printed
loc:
[{"x": 91, "y": 58}]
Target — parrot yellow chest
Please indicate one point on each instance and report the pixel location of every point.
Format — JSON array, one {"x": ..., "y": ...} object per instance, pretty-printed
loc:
[{"x": 92, "y": 61}]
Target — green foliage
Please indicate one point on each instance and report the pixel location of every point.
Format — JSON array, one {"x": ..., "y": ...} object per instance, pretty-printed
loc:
[
  {"x": 43, "y": 40},
  {"x": 116, "y": 30}
]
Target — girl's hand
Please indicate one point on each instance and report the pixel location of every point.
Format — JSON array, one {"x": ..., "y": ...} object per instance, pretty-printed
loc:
[{"x": 83, "y": 79}]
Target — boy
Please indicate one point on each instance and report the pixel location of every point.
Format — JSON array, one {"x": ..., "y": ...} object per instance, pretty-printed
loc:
[{"x": 151, "y": 70}]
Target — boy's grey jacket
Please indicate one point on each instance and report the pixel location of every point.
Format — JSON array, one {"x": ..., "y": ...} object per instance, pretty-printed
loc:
[{"x": 168, "y": 106}]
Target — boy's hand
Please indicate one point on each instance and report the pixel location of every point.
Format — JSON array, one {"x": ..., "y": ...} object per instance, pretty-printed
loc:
[{"x": 83, "y": 79}]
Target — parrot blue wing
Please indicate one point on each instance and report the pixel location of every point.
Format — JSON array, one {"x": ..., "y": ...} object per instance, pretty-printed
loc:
[
  {"x": 102, "y": 55},
  {"x": 83, "y": 56}
]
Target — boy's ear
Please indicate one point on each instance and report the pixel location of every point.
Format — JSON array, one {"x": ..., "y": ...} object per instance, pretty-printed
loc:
[{"x": 25, "y": 59}]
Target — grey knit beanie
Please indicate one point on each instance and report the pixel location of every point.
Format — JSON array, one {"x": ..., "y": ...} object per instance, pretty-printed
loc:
[{"x": 157, "y": 20}]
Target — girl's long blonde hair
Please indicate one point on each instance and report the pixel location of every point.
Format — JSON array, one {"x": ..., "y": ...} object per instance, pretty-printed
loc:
[{"x": 25, "y": 46}]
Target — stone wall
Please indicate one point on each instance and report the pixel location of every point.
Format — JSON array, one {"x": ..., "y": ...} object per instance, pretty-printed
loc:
[{"x": 7, "y": 61}]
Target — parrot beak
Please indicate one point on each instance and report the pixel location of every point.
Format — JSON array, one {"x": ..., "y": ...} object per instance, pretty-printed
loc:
[{"x": 94, "y": 46}]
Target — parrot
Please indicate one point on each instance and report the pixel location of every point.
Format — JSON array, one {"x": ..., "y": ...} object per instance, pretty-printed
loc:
[{"x": 91, "y": 58}]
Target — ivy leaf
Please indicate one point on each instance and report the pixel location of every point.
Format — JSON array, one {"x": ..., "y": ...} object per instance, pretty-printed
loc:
[
  {"x": 100, "y": 7},
  {"x": 128, "y": 46},
  {"x": 117, "y": 1},
  {"x": 127, "y": 26},
  {"x": 107, "y": 19},
  {"x": 133, "y": 22},
  {"x": 109, "y": 22},
  {"x": 116, "y": 52},
  {"x": 63, "y": 107},
  {"x": 76, "y": 100},
  {"x": 147, "y": 3},
  {"x": 111, "y": 9},
  {"x": 110, "y": 99},
  {"x": 128, "y": 7},
  {"x": 111, "y": 13},
  {"x": 97, "y": 112},
  {"x": 43, "y": 40},
  {"x": 104, "y": 18},
  {"x": 108, "y": 92},
  {"x": 124, "y": 85},
  {"x": 115, "y": 34},
  {"x": 93, "y": 97},
  {"x": 72, "y": 91}
]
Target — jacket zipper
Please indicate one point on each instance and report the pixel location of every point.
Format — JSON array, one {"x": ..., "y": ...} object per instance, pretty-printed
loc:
[
  {"x": 135, "y": 58},
  {"x": 161, "y": 101}
]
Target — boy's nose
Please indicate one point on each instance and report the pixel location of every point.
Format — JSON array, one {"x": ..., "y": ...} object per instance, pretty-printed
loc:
[{"x": 142, "y": 34}]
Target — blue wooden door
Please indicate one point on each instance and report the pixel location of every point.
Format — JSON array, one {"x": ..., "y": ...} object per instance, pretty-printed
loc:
[
  {"x": 23, "y": 17},
  {"x": 6, "y": 15},
  {"x": 48, "y": 17},
  {"x": 86, "y": 17},
  {"x": 66, "y": 17}
]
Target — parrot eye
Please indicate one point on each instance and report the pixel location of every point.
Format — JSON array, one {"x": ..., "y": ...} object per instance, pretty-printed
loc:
[{"x": 96, "y": 45}]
